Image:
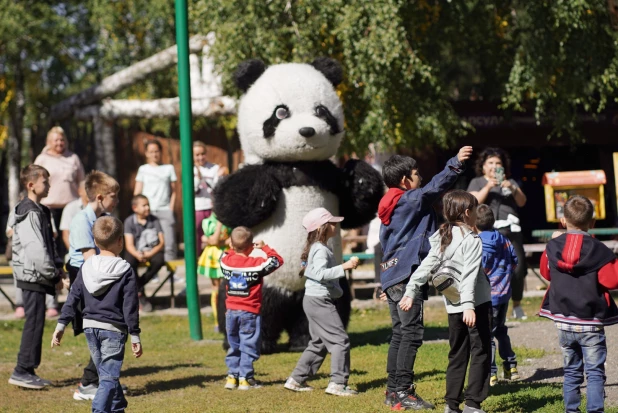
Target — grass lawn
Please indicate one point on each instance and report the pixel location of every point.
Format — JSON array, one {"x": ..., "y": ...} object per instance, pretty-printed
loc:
[{"x": 178, "y": 374}]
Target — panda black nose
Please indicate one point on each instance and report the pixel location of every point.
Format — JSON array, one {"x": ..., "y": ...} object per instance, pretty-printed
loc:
[{"x": 307, "y": 132}]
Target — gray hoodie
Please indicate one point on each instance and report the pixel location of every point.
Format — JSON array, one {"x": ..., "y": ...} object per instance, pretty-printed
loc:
[{"x": 323, "y": 273}]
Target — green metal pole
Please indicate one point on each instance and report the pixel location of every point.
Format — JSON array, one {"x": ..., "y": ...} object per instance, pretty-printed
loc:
[{"x": 186, "y": 159}]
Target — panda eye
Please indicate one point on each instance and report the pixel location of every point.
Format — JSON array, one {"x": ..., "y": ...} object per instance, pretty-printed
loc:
[
  {"x": 282, "y": 113},
  {"x": 320, "y": 111}
]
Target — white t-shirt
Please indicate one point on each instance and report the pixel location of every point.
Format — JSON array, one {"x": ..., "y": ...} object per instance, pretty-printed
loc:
[
  {"x": 204, "y": 187},
  {"x": 157, "y": 181},
  {"x": 69, "y": 212}
]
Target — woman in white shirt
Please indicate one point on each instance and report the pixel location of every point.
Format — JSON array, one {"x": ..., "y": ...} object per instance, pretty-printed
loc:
[{"x": 157, "y": 182}]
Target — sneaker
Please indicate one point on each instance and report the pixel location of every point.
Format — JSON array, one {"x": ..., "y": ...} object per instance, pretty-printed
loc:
[
  {"x": 391, "y": 398},
  {"x": 511, "y": 374},
  {"x": 409, "y": 400},
  {"x": 518, "y": 313},
  {"x": 447, "y": 409},
  {"x": 293, "y": 385},
  {"x": 51, "y": 313},
  {"x": 20, "y": 312},
  {"x": 468, "y": 409},
  {"x": 28, "y": 381},
  {"x": 231, "y": 382},
  {"x": 42, "y": 381},
  {"x": 85, "y": 392},
  {"x": 246, "y": 384},
  {"x": 493, "y": 380},
  {"x": 340, "y": 390},
  {"x": 144, "y": 303},
  {"x": 177, "y": 279}
]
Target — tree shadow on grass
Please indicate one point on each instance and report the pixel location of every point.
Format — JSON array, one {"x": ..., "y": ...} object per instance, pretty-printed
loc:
[
  {"x": 145, "y": 370},
  {"x": 382, "y": 336},
  {"x": 527, "y": 402},
  {"x": 175, "y": 384},
  {"x": 381, "y": 382}
]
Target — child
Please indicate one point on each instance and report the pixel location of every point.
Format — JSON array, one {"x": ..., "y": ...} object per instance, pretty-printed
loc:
[
  {"x": 37, "y": 269},
  {"x": 321, "y": 291},
  {"x": 216, "y": 235},
  {"x": 106, "y": 286},
  {"x": 144, "y": 243},
  {"x": 158, "y": 183},
  {"x": 102, "y": 191},
  {"x": 582, "y": 270},
  {"x": 408, "y": 219},
  {"x": 243, "y": 303},
  {"x": 499, "y": 262},
  {"x": 469, "y": 321}
]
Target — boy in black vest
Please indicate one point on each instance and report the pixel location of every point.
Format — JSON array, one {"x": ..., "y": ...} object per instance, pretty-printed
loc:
[{"x": 582, "y": 270}]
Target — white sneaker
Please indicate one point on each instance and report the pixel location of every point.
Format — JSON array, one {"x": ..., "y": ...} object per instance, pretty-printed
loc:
[
  {"x": 518, "y": 313},
  {"x": 293, "y": 385},
  {"x": 468, "y": 409},
  {"x": 340, "y": 390}
]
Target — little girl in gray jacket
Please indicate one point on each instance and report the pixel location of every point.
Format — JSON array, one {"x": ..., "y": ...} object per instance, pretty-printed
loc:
[
  {"x": 469, "y": 319},
  {"x": 322, "y": 288}
]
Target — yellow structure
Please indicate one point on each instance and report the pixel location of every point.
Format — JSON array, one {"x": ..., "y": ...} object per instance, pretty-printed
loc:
[{"x": 560, "y": 186}]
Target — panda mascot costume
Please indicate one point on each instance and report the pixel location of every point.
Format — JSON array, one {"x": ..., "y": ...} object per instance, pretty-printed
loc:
[{"x": 290, "y": 122}]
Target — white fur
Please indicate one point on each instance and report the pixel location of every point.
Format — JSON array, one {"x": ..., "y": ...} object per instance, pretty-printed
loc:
[{"x": 301, "y": 88}]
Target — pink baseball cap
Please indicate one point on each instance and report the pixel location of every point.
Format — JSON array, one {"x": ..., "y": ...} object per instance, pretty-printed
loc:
[{"x": 318, "y": 217}]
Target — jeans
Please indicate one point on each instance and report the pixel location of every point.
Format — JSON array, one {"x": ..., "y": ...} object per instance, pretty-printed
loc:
[
  {"x": 407, "y": 337},
  {"x": 29, "y": 356},
  {"x": 583, "y": 352},
  {"x": 500, "y": 331},
  {"x": 156, "y": 263},
  {"x": 243, "y": 334},
  {"x": 107, "y": 351}
]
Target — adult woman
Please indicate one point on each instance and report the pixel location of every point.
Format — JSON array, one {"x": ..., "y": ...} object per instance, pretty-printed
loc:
[
  {"x": 504, "y": 197},
  {"x": 158, "y": 183}
]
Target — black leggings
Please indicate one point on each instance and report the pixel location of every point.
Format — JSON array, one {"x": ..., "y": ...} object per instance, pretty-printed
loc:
[{"x": 517, "y": 283}]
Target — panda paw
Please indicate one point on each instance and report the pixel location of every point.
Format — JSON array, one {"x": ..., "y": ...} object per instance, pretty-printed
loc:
[{"x": 361, "y": 193}]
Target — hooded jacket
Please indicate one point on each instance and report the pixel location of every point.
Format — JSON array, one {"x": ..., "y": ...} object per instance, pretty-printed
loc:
[
  {"x": 107, "y": 288},
  {"x": 499, "y": 262},
  {"x": 582, "y": 270},
  {"x": 35, "y": 260},
  {"x": 408, "y": 220}
]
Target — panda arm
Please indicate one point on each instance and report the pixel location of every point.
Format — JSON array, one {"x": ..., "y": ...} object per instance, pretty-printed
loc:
[
  {"x": 247, "y": 197},
  {"x": 360, "y": 193}
]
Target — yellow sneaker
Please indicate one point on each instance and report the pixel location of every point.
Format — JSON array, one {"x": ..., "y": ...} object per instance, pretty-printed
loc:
[
  {"x": 246, "y": 384},
  {"x": 493, "y": 380},
  {"x": 511, "y": 374},
  {"x": 231, "y": 382}
]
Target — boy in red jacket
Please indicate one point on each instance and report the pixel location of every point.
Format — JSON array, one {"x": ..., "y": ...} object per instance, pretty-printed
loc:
[
  {"x": 244, "y": 276},
  {"x": 582, "y": 270}
]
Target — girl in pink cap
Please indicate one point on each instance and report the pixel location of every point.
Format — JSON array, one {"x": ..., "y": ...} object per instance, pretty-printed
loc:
[{"x": 322, "y": 289}]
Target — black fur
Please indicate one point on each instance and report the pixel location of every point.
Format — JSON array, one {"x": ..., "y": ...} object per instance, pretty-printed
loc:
[
  {"x": 270, "y": 125},
  {"x": 322, "y": 112},
  {"x": 248, "y": 72},
  {"x": 359, "y": 199},
  {"x": 330, "y": 68}
]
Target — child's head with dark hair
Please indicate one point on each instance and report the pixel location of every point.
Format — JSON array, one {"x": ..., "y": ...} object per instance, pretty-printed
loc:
[
  {"x": 35, "y": 180},
  {"x": 484, "y": 218},
  {"x": 108, "y": 234},
  {"x": 141, "y": 206},
  {"x": 401, "y": 172},
  {"x": 242, "y": 239},
  {"x": 578, "y": 213}
]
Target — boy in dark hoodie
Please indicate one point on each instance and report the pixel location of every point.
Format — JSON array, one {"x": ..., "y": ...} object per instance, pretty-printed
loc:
[
  {"x": 582, "y": 270},
  {"x": 37, "y": 269},
  {"x": 106, "y": 286},
  {"x": 408, "y": 220},
  {"x": 499, "y": 262}
]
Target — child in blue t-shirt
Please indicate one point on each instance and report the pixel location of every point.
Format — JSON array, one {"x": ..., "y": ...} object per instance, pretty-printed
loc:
[{"x": 499, "y": 262}]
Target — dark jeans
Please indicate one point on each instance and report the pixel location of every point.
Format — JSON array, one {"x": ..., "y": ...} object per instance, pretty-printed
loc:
[
  {"x": 90, "y": 375},
  {"x": 500, "y": 332},
  {"x": 407, "y": 337},
  {"x": 107, "y": 351},
  {"x": 29, "y": 356},
  {"x": 156, "y": 263},
  {"x": 56, "y": 214},
  {"x": 583, "y": 352},
  {"x": 474, "y": 344},
  {"x": 517, "y": 282}
]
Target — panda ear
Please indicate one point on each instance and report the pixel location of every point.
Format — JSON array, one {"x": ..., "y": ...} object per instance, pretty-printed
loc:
[
  {"x": 248, "y": 72},
  {"x": 330, "y": 68}
]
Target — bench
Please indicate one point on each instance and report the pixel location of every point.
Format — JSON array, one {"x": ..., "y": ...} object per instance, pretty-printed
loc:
[
  {"x": 6, "y": 272},
  {"x": 172, "y": 267}
]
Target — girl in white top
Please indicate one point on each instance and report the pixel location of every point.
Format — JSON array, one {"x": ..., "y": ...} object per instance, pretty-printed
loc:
[{"x": 157, "y": 182}]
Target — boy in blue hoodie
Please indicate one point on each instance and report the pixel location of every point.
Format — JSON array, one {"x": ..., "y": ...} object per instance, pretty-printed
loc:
[
  {"x": 499, "y": 262},
  {"x": 107, "y": 288},
  {"x": 408, "y": 220}
]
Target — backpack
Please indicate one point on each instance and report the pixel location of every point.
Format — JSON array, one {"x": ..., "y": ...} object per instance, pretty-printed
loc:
[{"x": 445, "y": 276}]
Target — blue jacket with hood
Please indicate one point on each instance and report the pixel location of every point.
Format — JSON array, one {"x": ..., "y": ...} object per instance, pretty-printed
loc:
[{"x": 499, "y": 262}]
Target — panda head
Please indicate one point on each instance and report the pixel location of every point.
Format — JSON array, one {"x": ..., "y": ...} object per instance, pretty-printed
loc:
[{"x": 289, "y": 112}]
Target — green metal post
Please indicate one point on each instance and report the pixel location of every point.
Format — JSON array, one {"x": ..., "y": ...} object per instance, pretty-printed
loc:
[{"x": 186, "y": 159}]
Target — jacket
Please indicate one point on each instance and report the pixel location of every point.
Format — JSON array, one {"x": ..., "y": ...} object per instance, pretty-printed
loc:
[
  {"x": 35, "y": 260},
  {"x": 106, "y": 287},
  {"x": 245, "y": 276},
  {"x": 474, "y": 287},
  {"x": 499, "y": 262},
  {"x": 323, "y": 273},
  {"x": 408, "y": 220},
  {"x": 582, "y": 270}
]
